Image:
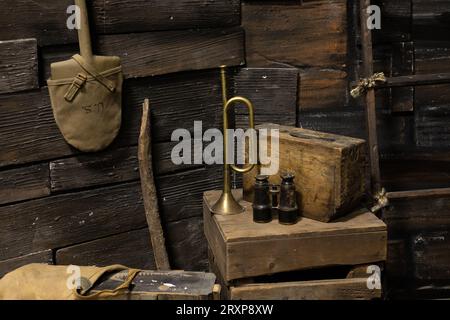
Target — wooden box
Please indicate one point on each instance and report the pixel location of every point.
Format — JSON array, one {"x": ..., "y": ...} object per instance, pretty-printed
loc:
[
  {"x": 349, "y": 283},
  {"x": 244, "y": 249},
  {"x": 329, "y": 170}
]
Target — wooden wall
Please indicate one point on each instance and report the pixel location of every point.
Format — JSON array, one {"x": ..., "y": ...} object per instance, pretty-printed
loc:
[{"x": 294, "y": 59}]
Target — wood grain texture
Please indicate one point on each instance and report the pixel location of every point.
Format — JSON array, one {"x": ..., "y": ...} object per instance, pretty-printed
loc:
[
  {"x": 69, "y": 219},
  {"x": 24, "y": 183},
  {"x": 272, "y": 91},
  {"x": 402, "y": 99},
  {"x": 431, "y": 19},
  {"x": 322, "y": 89},
  {"x": 329, "y": 171},
  {"x": 309, "y": 34},
  {"x": 7, "y": 266},
  {"x": 178, "y": 100},
  {"x": 395, "y": 21},
  {"x": 18, "y": 65},
  {"x": 187, "y": 245},
  {"x": 150, "y": 54},
  {"x": 46, "y": 19},
  {"x": 339, "y": 289},
  {"x": 237, "y": 244},
  {"x": 132, "y": 249},
  {"x": 149, "y": 195}
]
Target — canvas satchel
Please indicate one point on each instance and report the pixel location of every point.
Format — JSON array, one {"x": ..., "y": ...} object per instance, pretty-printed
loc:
[
  {"x": 45, "y": 282},
  {"x": 86, "y": 94}
]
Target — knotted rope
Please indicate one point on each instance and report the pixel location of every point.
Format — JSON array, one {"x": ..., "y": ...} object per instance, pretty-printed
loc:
[{"x": 367, "y": 83}]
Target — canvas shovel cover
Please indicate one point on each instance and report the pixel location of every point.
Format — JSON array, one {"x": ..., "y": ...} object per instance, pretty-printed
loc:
[
  {"x": 86, "y": 94},
  {"x": 44, "y": 282}
]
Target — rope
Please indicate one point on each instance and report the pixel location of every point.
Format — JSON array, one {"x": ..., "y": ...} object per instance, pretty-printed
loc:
[{"x": 367, "y": 83}]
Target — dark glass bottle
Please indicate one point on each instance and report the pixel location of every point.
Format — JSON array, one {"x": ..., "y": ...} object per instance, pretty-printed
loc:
[
  {"x": 262, "y": 208},
  {"x": 288, "y": 210}
]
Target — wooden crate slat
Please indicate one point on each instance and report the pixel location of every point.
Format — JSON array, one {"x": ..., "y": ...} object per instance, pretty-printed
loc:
[{"x": 18, "y": 65}]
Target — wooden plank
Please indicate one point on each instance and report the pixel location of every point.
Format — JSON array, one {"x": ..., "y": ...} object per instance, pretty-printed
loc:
[
  {"x": 24, "y": 183},
  {"x": 187, "y": 245},
  {"x": 431, "y": 256},
  {"x": 178, "y": 100},
  {"x": 18, "y": 65},
  {"x": 312, "y": 33},
  {"x": 132, "y": 249},
  {"x": 181, "y": 194},
  {"x": 323, "y": 89},
  {"x": 405, "y": 175},
  {"x": 37, "y": 138},
  {"x": 395, "y": 21},
  {"x": 402, "y": 99},
  {"x": 69, "y": 219},
  {"x": 98, "y": 169},
  {"x": 273, "y": 92},
  {"x": 7, "y": 266},
  {"x": 430, "y": 19},
  {"x": 408, "y": 215},
  {"x": 340, "y": 289},
  {"x": 155, "y": 53},
  {"x": 414, "y": 194},
  {"x": 119, "y": 16},
  {"x": 432, "y": 129},
  {"x": 150, "y": 54},
  {"x": 289, "y": 248},
  {"x": 46, "y": 19}
]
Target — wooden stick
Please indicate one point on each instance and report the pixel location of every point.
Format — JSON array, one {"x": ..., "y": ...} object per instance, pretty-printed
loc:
[
  {"x": 413, "y": 80},
  {"x": 84, "y": 33},
  {"x": 149, "y": 192},
  {"x": 371, "y": 117},
  {"x": 426, "y": 193}
]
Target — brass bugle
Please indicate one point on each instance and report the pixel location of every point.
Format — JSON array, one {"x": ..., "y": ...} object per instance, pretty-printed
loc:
[{"x": 227, "y": 204}]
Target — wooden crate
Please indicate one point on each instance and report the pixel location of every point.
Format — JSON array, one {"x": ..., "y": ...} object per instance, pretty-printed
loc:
[
  {"x": 246, "y": 249},
  {"x": 351, "y": 283},
  {"x": 329, "y": 171}
]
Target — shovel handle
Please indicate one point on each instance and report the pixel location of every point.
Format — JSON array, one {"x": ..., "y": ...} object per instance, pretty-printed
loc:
[{"x": 84, "y": 34}]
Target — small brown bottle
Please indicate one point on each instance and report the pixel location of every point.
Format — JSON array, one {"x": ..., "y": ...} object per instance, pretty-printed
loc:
[
  {"x": 262, "y": 208},
  {"x": 288, "y": 209}
]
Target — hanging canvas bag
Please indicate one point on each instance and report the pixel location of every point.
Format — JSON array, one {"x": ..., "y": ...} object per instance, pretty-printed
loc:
[{"x": 86, "y": 94}]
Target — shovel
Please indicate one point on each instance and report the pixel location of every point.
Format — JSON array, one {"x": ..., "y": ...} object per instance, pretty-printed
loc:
[{"x": 86, "y": 94}]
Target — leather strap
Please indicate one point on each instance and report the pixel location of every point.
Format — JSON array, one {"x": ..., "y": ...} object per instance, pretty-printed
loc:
[
  {"x": 93, "y": 72},
  {"x": 76, "y": 85}
]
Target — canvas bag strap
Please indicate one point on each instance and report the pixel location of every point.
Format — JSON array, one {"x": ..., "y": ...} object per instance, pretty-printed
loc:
[
  {"x": 132, "y": 273},
  {"x": 91, "y": 70}
]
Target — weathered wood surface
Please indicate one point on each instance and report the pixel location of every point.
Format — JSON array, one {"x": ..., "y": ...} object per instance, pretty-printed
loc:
[
  {"x": 236, "y": 242},
  {"x": 285, "y": 39},
  {"x": 273, "y": 92},
  {"x": 149, "y": 195},
  {"x": 322, "y": 89},
  {"x": 7, "y": 266},
  {"x": 402, "y": 65},
  {"x": 339, "y": 289},
  {"x": 430, "y": 19},
  {"x": 156, "y": 53},
  {"x": 18, "y": 65},
  {"x": 24, "y": 183},
  {"x": 46, "y": 19},
  {"x": 69, "y": 219},
  {"x": 132, "y": 249},
  {"x": 178, "y": 101},
  {"x": 329, "y": 171},
  {"x": 395, "y": 21},
  {"x": 187, "y": 244}
]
